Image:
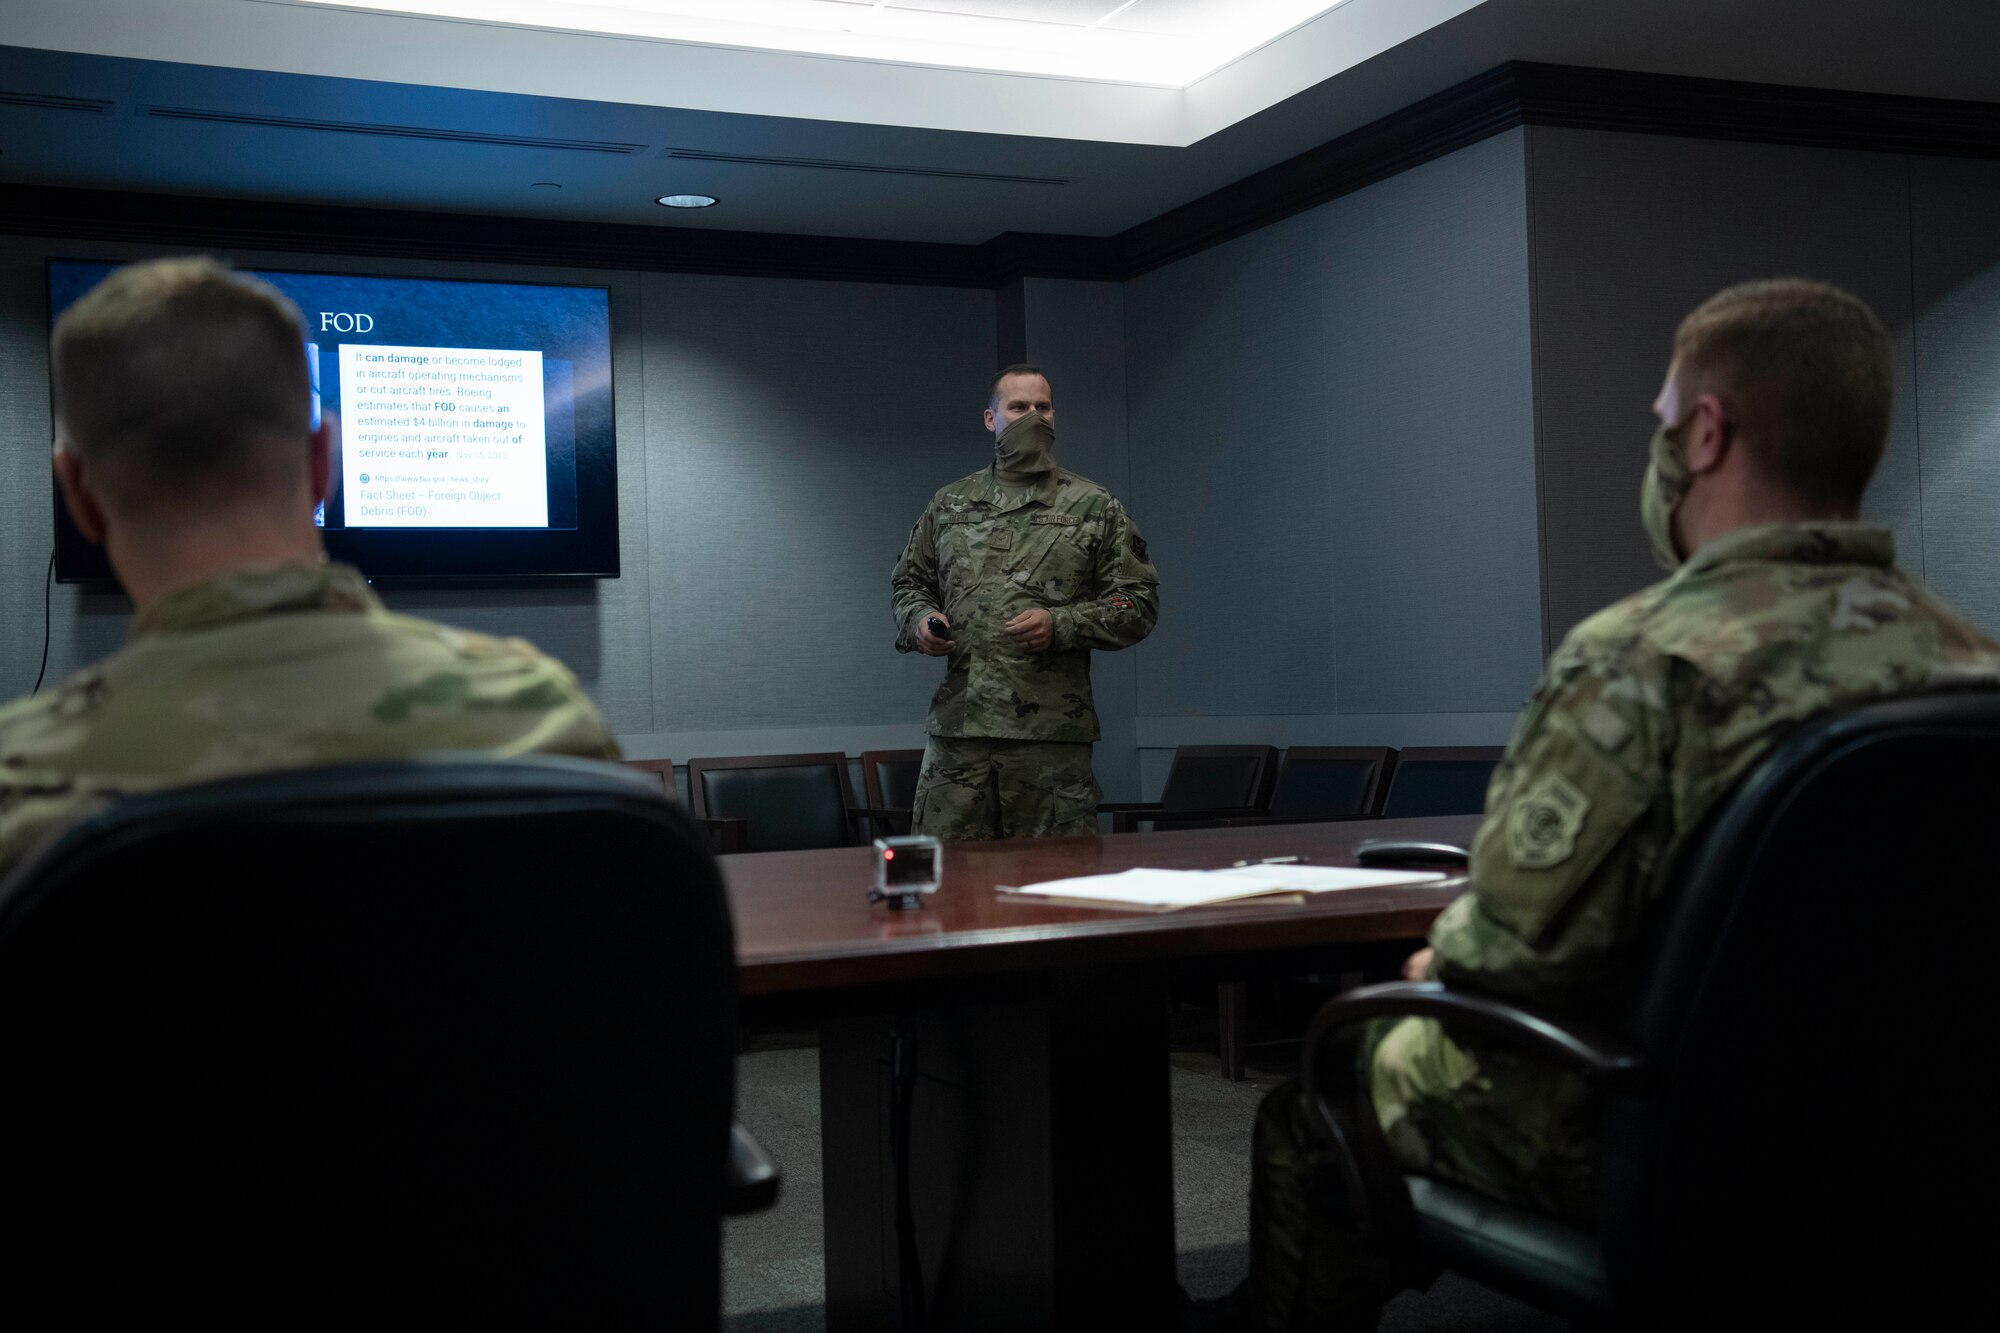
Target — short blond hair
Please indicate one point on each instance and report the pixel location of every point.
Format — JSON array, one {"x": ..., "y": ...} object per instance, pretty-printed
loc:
[
  {"x": 1806, "y": 371},
  {"x": 183, "y": 379}
]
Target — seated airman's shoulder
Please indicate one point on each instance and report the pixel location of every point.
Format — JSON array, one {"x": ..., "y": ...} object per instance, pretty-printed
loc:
[
  {"x": 36, "y": 721},
  {"x": 1619, "y": 629}
]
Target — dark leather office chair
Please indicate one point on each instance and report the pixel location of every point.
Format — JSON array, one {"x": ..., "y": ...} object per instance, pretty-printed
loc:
[
  {"x": 788, "y": 802},
  {"x": 724, "y": 835},
  {"x": 889, "y": 781},
  {"x": 433, "y": 1044},
  {"x": 1791, "y": 1132},
  {"x": 1440, "y": 780},
  {"x": 1206, "y": 783}
]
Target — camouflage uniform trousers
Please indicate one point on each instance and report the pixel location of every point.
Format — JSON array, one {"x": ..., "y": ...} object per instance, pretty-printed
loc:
[
  {"x": 1310, "y": 1269},
  {"x": 974, "y": 787}
]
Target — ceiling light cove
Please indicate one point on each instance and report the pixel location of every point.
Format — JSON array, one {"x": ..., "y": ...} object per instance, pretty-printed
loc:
[
  {"x": 1161, "y": 43},
  {"x": 1163, "y": 72}
]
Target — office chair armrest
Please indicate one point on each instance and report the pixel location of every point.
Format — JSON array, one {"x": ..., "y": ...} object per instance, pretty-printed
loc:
[
  {"x": 1600, "y": 1059},
  {"x": 1128, "y": 821},
  {"x": 753, "y": 1176},
  {"x": 731, "y": 835},
  {"x": 1257, "y": 820},
  {"x": 1161, "y": 817},
  {"x": 882, "y": 819},
  {"x": 1343, "y": 1106}
]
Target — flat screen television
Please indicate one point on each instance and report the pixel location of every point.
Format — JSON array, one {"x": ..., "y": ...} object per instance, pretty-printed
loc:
[{"x": 475, "y": 436}]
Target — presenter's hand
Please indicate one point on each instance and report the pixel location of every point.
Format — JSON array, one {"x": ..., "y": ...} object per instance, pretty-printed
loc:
[
  {"x": 1033, "y": 630},
  {"x": 1417, "y": 967},
  {"x": 929, "y": 644}
]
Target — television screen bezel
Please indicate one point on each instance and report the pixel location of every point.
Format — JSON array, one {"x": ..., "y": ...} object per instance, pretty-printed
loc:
[{"x": 407, "y": 557}]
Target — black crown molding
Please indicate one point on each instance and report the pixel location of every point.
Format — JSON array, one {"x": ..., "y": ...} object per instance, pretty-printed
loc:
[{"x": 1513, "y": 94}]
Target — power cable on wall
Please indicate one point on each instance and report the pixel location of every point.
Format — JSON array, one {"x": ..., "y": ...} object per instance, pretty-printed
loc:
[{"x": 48, "y": 591}]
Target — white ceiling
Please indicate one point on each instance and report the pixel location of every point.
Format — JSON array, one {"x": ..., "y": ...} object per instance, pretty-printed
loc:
[
  {"x": 980, "y": 73},
  {"x": 1169, "y": 43},
  {"x": 301, "y": 103}
]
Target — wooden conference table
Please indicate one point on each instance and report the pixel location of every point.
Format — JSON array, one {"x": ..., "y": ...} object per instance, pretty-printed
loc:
[{"x": 1041, "y": 1150}]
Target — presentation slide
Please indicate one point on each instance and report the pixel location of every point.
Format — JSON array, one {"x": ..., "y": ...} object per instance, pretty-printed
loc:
[{"x": 443, "y": 437}]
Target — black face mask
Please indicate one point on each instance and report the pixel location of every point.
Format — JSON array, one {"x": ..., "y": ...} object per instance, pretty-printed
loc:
[{"x": 1027, "y": 446}]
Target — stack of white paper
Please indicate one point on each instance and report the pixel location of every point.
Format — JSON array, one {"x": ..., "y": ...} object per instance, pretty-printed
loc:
[{"x": 1167, "y": 889}]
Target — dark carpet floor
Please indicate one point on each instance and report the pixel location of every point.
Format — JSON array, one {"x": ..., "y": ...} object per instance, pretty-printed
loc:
[{"x": 772, "y": 1265}]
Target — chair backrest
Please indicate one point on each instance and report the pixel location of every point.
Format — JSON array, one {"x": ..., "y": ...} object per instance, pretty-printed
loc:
[
  {"x": 1818, "y": 1004},
  {"x": 889, "y": 777},
  {"x": 789, "y": 801},
  {"x": 1330, "y": 781},
  {"x": 424, "y": 1044},
  {"x": 1440, "y": 780},
  {"x": 660, "y": 772},
  {"x": 1214, "y": 777}
]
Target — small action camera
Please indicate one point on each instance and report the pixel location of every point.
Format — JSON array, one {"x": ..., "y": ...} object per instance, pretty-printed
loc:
[{"x": 906, "y": 869}]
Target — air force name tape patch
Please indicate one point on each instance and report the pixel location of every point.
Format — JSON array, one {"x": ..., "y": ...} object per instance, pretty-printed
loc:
[{"x": 1543, "y": 825}]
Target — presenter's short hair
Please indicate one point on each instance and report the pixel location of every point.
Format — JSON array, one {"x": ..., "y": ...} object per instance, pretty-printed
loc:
[
  {"x": 1805, "y": 368},
  {"x": 1019, "y": 368},
  {"x": 180, "y": 378}
]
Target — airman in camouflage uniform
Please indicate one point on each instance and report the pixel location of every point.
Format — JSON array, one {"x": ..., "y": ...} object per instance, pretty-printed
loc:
[
  {"x": 185, "y": 445},
  {"x": 272, "y": 669},
  {"x": 1648, "y": 714},
  {"x": 1011, "y": 727}
]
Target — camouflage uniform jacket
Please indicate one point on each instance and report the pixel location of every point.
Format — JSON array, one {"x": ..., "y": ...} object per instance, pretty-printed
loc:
[
  {"x": 1648, "y": 713},
  {"x": 985, "y": 551},
  {"x": 270, "y": 669}
]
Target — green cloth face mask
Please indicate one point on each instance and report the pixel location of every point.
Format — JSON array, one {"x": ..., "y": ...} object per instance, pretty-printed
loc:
[
  {"x": 1028, "y": 445},
  {"x": 1666, "y": 485}
]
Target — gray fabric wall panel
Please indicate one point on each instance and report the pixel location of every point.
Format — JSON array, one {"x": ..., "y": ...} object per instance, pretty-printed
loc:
[
  {"x": 794, "y": 431},
  {"x": 1430, "y": 423},
  {"x": 1226, "y": 375},
  {"x": 1957, "y": 285},
  {"x": 25, "y": 484},
  {"x": 599, "y": 626},
  {"x": 1333, "y": 451},
  {"x": 1630, "y": 232},
  {"x": 1075, "y": 332}
]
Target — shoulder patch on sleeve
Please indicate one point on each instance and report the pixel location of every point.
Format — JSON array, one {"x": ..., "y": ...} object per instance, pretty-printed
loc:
[
  {"x": 1603, "y": 725},
  {"x": 1544, "y": 821}
]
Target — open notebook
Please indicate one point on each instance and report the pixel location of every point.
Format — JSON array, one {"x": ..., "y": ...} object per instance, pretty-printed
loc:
[{"x": 1164, "y": 890}]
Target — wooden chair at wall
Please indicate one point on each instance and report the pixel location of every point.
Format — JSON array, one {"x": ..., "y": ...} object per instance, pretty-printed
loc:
[
  {"x": 1440, "y": 780},
  {"x": 1206, "y": 783},
  {"x": 1315, "y": 783},
  {"x": 889, "y": 781},
  {"x": 788, "y": 802},
  {"x": 724, "y": 835}
]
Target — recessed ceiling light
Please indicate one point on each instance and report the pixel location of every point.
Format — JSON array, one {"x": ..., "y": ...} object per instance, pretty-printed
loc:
[{"x": 686, "y": 200}]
